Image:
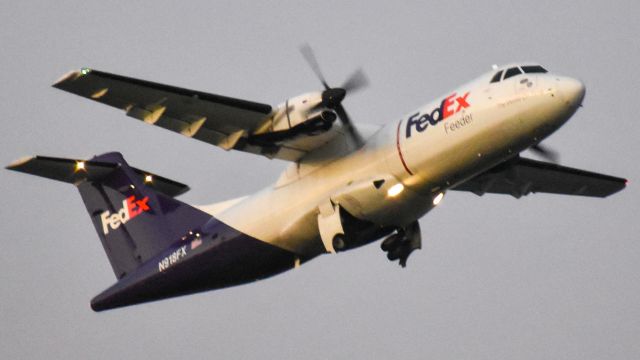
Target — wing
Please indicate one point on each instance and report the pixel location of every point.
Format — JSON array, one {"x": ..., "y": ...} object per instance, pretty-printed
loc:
[
  {"x": 522, "y": 176},
  {"x": 219, "y": 120}
]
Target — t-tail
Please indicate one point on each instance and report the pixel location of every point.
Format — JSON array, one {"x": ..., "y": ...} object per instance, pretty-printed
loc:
[{"x": 158, "y": 247}]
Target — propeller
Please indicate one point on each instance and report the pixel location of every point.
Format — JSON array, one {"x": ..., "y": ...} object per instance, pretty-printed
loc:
[
  {"x": 307, "y": 53},
  {"x": 332, "y": 97},
  {"x": 356, "y": 81},
  {"x": 545, "y": 152}
]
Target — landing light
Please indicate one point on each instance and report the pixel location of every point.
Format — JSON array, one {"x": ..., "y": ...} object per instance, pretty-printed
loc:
[
  {"x": 438, "y": 198},
  {"x": 79, "y": 165},
  {"x": 395, "y": 190},
  {"x": 148, "y": 178}
]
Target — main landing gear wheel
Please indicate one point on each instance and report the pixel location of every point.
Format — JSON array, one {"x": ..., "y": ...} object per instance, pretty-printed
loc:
[
  {"x": 401, "y": 244},
  {"x": 391, "y": 242},
  {"x": 338, "y": 242}
]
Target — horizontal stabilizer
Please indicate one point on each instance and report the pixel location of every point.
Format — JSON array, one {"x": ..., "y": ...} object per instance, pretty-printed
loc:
[{"x": 76, "y": 171}]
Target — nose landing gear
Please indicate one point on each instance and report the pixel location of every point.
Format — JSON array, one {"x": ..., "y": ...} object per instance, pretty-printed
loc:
[{"x": 401, "y": 244}]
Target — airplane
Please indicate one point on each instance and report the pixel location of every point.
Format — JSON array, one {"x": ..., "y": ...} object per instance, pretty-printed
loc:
[{"x": 345, "y": 187}]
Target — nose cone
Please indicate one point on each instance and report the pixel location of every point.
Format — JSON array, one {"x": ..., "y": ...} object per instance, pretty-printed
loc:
[{"x": 572, "y": 90}]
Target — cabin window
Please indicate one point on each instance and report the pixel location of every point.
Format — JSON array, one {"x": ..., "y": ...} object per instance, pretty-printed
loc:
[
  {"x": 530, "y": 69},
  {"x": 511, "y": 72},
  {"x": 497, "y": 76}
]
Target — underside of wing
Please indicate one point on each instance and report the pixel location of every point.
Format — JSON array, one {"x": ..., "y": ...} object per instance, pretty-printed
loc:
[
  {"x": 521, "y": 176},
  {"x": 219, "y": 120}
]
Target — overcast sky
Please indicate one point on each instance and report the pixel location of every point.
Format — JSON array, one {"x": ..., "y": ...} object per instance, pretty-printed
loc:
[{"x": 543, "y": 277}]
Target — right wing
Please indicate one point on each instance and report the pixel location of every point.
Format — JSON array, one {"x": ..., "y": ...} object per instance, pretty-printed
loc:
[
  {"x": 520, "y": 176},
  {"x": 219, "y": 120}
]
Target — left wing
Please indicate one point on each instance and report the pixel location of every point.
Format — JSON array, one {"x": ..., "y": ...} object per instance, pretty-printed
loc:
[
  {"x": 520, "y": 176},
  {"x": 219, "y": 120}
]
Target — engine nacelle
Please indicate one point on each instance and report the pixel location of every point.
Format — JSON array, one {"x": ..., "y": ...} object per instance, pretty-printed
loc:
[
  {"x": 315, "y": 125},
  {"x": 300, "y": 116},
  {"x": 295, "y": 111}
]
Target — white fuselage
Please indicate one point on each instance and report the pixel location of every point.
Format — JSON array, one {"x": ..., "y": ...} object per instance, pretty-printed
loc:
[{"x": 478, "y": 125}]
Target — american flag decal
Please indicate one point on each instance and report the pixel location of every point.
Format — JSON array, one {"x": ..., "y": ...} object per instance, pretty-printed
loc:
[{"x": 195, "y": 243}]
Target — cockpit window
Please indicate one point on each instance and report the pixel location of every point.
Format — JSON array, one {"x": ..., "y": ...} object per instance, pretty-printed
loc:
[
  {"x": 512, "y": 72},
  {"x": 533, "y": 69},
  {"x": 497, "y": 76}
]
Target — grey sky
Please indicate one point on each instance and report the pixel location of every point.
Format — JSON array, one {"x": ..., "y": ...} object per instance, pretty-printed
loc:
[{"x": 498, "y": 278}]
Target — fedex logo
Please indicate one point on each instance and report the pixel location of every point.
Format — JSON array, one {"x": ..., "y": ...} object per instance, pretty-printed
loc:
[
  {"x": 449, "y": 106},
  {"x": 131, "y": 207}
]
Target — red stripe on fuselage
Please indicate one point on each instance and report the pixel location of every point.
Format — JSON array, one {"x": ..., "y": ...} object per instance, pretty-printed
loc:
[{"x": 400, "y": 150}]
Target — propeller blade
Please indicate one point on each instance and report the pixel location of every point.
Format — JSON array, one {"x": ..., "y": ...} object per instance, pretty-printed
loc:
[
  {"x": 346, "y": 121},
  {"x": 307, "y": 53},
  {"x": 358, "y": 80},
  {"x": 545, "y": 152}
]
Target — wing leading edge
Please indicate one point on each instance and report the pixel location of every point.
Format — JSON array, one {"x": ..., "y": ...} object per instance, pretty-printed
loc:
[
  {"x": 219, "y": 120},
  {"x": 521, "y": 176}
]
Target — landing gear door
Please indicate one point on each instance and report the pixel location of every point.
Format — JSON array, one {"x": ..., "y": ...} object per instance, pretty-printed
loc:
[{"x": 329, "y": 224}]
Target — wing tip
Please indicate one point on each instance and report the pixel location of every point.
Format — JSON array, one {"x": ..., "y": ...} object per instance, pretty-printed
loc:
[
  {"x": 19, "y": 162},
  {"x": 622, "y": 184},
  {"x": 625, "y": 183},
  {"x": 71, "y": 75}
]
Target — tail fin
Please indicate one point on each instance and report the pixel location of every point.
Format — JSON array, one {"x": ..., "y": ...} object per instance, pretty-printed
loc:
[{"x": 132, "y": 210}]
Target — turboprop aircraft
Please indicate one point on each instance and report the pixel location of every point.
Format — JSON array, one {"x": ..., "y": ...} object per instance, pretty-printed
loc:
[{"x": 346, "y": 186}]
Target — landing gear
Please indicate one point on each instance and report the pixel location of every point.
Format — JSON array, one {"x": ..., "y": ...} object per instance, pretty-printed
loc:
[
  {"x": 391, "y": 242},
  {"x": 401, "y": 244},
  {"x": 338, "y": 242}
]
